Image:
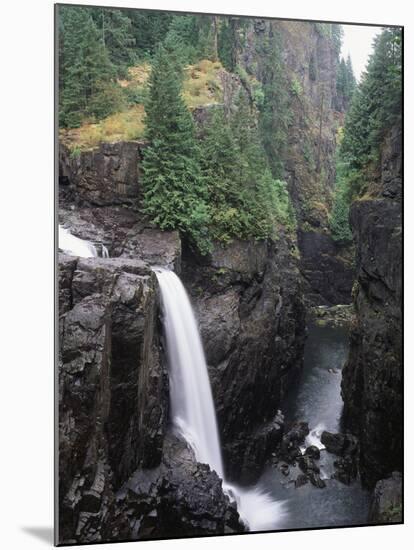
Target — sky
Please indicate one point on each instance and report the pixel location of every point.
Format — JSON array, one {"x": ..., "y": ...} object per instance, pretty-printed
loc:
[{"x": 357, "y": 41}]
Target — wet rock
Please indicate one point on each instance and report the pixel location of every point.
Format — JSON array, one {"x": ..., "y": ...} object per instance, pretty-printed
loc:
[
  {"x": 316, "y": 480},
  {"x": 124, "y": 232},
  {"x": 113, "y": 388},
  {"x": 386, "y": 504},
  {"x": 345, "y": 469},
  {"x": 307, "y": 464},
  {"x": 284, "y": 468},
  {"x": 180, "y": 496},
  {"x": 339, "y": 444},
  {"x": 313, "y": 452}
]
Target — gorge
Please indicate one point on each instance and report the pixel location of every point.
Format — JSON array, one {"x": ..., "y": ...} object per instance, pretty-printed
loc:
[{"x": 229, "y": 352}]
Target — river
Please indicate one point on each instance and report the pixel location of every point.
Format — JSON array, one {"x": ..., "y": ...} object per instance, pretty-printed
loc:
[{"x": 316, "y": 399}]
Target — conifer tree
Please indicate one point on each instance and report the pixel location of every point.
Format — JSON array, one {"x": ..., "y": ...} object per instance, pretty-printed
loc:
[
  {"x": 87, "y": 76},
  {"x": 174, "y": 192},
  {"x": 223, "y": 169},
  {"x": 115, "y": 28}
]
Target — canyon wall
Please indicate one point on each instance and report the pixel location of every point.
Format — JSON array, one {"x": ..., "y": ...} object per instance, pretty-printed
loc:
[
  {"x": 372, "y": 378},
  {"x": 309, "y": 59}
]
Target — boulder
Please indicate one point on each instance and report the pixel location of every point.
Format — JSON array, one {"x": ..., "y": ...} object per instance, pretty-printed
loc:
[
  {"x": 387, "y": 502},
  {"x": 313, "y": 452},
  {"x": 339, "y": 444},
  {"x": 180, "y": 496}
]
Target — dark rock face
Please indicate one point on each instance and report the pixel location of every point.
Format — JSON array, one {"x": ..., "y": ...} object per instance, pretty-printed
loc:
[
  {"x": 247, "y": 297},
  {"x": 106, "y": 175},
  {"x": 339, "y": 444},
  {"x": 113, "y": 389},
  {"x": 327, "y": 269},
  {"x": 372, "y": 378},
  {"x": 387, "y": 501},
  {"x": 180, "y": 496}
]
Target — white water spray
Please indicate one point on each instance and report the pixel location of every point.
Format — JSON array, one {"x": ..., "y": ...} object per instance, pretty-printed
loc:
[{"x": 192, "y": 405}]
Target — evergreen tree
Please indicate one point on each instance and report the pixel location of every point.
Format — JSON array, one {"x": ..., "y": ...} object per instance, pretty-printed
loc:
[
  {"x": 149, "y": 29},
  {"x": 376, "y": 106},
  {"x": 174, "y": 192},
  {"x": 224, "y": 171},
  {"x": 246, "y": 201},
  {"x": 116, "y": 30},
  {"x": 87, "y": 77}
]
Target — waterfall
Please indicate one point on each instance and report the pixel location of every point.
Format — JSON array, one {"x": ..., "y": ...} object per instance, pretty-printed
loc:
[
  {"x": 74, "y": 246},
  {"x": 192, "y": 405}
]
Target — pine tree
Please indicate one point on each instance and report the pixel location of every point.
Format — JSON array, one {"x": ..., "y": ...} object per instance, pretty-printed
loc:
[
  {"x": 174, "y": 192},
  {"x": 223, "y": 169},
  {"x": 149, "y": 29},
  {"x": 87, "y": 77},
  {"x": 115, "y": 28},
  {"x": 376, "y": 105}
]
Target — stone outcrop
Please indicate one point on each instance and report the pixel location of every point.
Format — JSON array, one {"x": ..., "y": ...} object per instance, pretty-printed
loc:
[
  {"x": 372, "y": 378},
  {"x": 108, "y": 174},
  {"x": 124, "y": 232},
  {"x": 387, "y": 501},
  {"x": 248, "y": 300},
  {"x": 113, "y": 389},
  {"x": 180, "y": 496}
]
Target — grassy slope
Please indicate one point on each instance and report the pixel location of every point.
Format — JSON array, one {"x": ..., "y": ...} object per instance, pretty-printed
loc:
[{"x": 202, "y": 86}]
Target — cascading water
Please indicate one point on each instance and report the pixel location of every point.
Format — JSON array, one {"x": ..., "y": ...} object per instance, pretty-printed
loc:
[
  {"x": 74, "y": 246},
  {"x": 192, "y": 405}
]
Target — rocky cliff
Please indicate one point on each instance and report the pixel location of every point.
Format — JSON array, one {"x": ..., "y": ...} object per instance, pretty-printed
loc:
[
  {"x": 113, "y": 379},
  {"x": 372, "y": 378},
  {"x": 309, "y": 58},
  {"x": 113, "y": 415},
  {"x": 249, "y": 303}
]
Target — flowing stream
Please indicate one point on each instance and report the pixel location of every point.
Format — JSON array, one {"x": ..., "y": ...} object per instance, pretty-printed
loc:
[
  {"x": 316, "y": 399},
  {"x": 192, "y": 405}
]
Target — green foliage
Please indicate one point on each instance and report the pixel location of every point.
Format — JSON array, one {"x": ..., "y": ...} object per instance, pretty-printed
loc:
[
  {"x": 87, "y": 85},
  {"x": 174, "y": 191},
  {"x": 245, "y": 200},
  {"x": 117, "y": 35},
  {"x": 226, "y": 43},
  {"x": 375, "y": 108},
  {"x": 149, "y": 28},
  {"x": 296, "y": 87},
  {"x": 345, "y": 81}
]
